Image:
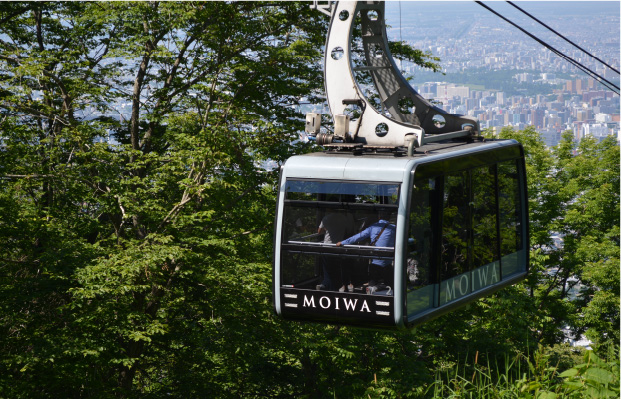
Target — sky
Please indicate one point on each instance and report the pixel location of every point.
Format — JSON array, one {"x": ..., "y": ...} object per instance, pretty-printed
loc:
[
  {"x": 468, "y": 7},
  {"x": 567, "y": 17}
]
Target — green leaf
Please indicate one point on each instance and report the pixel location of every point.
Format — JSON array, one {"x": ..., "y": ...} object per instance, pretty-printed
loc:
[
  {"x": 599, "y": 376},
  {"x": 546, "y": 395},
  {"x": 569, "y": 373}
]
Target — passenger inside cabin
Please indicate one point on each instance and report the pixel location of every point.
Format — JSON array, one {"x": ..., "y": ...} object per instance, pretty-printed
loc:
[
  {"x": 335, "y": 226},
  {"x": 380, "y": 234}
]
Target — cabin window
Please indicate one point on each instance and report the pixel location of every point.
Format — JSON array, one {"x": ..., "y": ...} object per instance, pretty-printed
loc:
[
  {"x": 423, "y": 223},
  {"x": 465, "y": 231},
  {"x": 456, "y": 233},
  {"x": 320, "y": 214},
  {"x": 510, "y": 215}
]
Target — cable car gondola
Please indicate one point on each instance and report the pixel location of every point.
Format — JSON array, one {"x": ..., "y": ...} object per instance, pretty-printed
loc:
[{"x": 406, "y": 214}]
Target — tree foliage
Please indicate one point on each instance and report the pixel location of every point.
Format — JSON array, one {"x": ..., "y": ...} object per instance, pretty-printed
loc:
[
  {"x": 127, "y": 235},
  {"x": 574, "y": 229}
]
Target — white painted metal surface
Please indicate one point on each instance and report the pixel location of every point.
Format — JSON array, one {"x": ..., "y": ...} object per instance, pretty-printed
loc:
[{"x": 389, "y": 123}]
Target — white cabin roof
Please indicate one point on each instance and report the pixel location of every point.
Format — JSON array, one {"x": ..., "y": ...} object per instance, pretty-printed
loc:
[{"x": 380, "y": 168}]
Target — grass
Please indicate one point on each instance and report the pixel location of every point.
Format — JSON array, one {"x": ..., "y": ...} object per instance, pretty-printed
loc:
[{"x": 539, "y": 377}]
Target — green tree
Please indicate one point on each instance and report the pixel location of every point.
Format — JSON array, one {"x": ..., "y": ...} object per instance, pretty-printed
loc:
[
  {"x": 136, "y": 204},
  {"x": 135, "y": 244},
  {"x": 574, "y": 195},
  {"x": 590, "y": 227}
]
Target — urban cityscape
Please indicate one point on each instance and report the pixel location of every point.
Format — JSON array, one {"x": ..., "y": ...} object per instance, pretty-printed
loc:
[{"x": 503, "y": 77}]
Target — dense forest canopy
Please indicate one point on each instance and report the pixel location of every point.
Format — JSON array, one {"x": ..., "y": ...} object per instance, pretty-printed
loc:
[{"x": 136, "y": 214}]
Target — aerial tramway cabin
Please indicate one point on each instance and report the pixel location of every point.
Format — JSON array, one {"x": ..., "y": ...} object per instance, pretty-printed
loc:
[{"x": 407, "y": 212}]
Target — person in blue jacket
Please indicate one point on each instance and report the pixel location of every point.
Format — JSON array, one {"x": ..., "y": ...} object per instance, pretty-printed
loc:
[{"x": 380, "y": 234}]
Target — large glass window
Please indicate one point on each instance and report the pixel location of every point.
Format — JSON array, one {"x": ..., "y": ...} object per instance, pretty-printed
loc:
[
  {"x": 510, "y": 215},
  {"x": 485, "y": 263},
  {"x": 339, "y": 236},
  {"x": 484, "y": 228},
  {"x": 419, "y": 277},
  {"x": 455, "y": 249},
  {"x": 455, "y": 226},
  {"x": 465, "y": 230}
]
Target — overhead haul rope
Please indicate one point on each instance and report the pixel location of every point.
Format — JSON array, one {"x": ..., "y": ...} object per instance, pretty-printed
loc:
[
  {"x": 611, "y": 86},
  {"x": 561, "y": 36}
]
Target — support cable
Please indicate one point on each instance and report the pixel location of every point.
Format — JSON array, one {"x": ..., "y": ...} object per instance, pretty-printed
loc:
[
  {"x": 561, "y": 36},
  {"x": 611, "y": 86}
]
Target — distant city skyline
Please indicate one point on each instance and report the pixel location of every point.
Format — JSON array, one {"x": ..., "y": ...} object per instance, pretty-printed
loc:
[
  {"x": 472, "y": 43},
  {"x": 429, "y": 25}
]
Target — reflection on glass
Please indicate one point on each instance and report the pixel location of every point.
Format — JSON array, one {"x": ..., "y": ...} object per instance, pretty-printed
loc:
[
  {"x": 455, "y": 226},
  {"x": 510, "y": 215},
  {"x": 305, "y": 270},
  {"x": 465, "y": 232},
  {"x": 311, "y": 190},
  {"x": 420, "y": 299},
  {"x": 455, "y": 287},
  {"x": 420, "y": 240},
  {"x": 485, "y": 275},
  {"x": 485, "y": 248}
]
